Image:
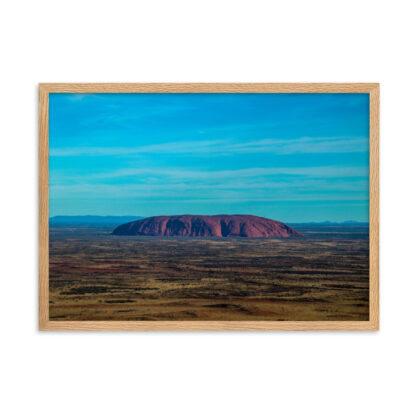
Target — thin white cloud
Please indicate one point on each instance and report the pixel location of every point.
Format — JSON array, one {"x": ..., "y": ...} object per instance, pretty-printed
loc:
[
  {"x": 76, "y": 97},
  {"x": 226, "y": 188},
  {"x": 171, "y": 147},
  {"x": 318, "y": 172},
  {"x": 303, "y": 145},
  {"x": 227, "y": 146},
  {"x": 182, "y": 193}
]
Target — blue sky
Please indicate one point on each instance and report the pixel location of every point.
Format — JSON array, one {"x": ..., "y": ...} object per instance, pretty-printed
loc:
[{"x": 290, "y": 157}]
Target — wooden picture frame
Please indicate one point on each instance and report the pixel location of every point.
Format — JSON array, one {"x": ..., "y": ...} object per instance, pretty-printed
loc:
[{"x": 45, "y": 324}]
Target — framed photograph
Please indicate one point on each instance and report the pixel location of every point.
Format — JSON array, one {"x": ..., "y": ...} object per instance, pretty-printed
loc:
[{"x": 208, "y": 206}]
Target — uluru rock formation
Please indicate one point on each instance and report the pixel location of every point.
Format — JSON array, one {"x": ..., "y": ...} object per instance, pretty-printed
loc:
[{"x": 207, "y": 226}]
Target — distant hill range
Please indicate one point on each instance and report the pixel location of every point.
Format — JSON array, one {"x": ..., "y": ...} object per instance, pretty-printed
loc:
[
  {"x": 331, "y": 223},
  {"x": 90, "y": 220},
  {"x": 207, "y": 226}
]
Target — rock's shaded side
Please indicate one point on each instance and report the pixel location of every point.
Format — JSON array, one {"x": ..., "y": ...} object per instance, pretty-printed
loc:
[{"x": 207, "y": 226}]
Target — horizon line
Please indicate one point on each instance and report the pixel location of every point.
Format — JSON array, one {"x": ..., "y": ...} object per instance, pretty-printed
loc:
[{"x": 178, "y": 215}]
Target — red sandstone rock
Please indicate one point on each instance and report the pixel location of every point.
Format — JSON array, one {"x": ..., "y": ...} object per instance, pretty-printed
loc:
[{"x": 207, "y": 226}]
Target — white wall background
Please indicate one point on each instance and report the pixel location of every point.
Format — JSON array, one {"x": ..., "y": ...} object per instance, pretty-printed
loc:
[{"x": 206, "y": 373}]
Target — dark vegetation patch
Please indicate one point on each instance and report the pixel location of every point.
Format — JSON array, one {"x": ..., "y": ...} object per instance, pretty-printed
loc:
[
  {"x": 219, "y": 305},
  {"x": 82, "y": 290},
  {"x": 120, "y": 301}
]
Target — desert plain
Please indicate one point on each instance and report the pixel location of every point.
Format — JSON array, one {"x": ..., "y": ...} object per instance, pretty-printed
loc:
[{"x": 324, "y": 275}]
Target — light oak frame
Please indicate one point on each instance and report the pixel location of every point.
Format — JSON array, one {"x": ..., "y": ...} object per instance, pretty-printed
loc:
[{"x": 46, "y": 325}]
